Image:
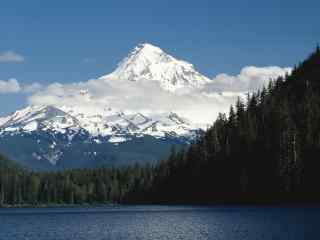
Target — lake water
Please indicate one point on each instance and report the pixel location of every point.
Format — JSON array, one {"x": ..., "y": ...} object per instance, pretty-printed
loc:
[{"x": 160, "y": 222}]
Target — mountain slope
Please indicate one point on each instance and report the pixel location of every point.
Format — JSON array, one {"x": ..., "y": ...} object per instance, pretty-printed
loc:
[
  {"x": 267, "y": 150},
  {"x": 60, "y": 136},
  {"x": 108, "y": 123},
  {"x": 50, "y": 138},
  {"x": 148, "y": 62},
  {"x": 6, "y": 164}
]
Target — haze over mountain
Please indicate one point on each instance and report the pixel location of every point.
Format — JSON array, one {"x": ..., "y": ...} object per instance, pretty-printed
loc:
[
  {"x": 151, "y": 81},
  {"x": 134, "y": 114},
  {"x": 78, "y": 133},
  {"x": 145, "y": 63}
]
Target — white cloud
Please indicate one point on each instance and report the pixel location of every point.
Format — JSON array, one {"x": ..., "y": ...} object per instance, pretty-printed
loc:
[
  {"x": 249, "y": 79},
  {"x": 9, "y": 86},
  {"x": 13, "y": 86},
  {"x": 10, "y": 56},
  {"x": 32, "y": 88},
  {"x": 199, "y": 105}
]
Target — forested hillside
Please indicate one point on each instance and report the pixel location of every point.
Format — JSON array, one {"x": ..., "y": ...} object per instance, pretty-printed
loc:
[
  {"x": 22, "y": 187},
  {"x": 266, "y": 150}
]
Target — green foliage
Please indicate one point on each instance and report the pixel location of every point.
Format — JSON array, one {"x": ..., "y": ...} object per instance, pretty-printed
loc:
[{"x": 69, "y": 187}]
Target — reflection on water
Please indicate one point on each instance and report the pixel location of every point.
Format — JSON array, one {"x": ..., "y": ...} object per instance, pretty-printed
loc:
[{"x": 160, "y": 222}]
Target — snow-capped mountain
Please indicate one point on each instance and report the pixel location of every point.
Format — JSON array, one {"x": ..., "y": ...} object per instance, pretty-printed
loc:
[
  {"x": 52, "y": 138},
  {"x": 58, "y": 137},
  {"x": 34, "y": 118},
  {"x": 108, "y": 124},
  {"x": 148, "y": 62}
]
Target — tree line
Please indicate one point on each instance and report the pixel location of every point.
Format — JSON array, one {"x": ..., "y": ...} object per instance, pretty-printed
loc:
[
  {"x": 266, "y": 150},
  {"x": 20, "y": 186}
]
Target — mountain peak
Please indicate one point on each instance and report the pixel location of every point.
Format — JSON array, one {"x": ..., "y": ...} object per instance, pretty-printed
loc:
[
  {"x": 31, "y": 117},
  {"x": 148, "y": 47},
  {"x": 149, "y": 62}
]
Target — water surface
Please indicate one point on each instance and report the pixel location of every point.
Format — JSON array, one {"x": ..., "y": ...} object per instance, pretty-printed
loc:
[{"x": 160, "y": 222}]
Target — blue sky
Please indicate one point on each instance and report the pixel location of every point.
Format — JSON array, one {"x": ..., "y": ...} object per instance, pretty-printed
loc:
[{"x": 71, "y": 41}]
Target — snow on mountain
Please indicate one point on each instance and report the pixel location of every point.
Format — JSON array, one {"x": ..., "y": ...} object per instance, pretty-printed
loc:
[
  {"x": 113, "y": 125},
  {"x": 34, "y": 118},
  {"x": 148, "y": 62},
  {"x": 145, "y": 62},
  {"x": 76, "y": 135}
]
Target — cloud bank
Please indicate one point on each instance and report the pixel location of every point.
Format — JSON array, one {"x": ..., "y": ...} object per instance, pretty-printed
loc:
[
  {"x": 9, "y": 86},
  {"x": 10, "y": 57},
  {"x": 12, "y": 85},
  {"x": 32, "y": 88},
  {"x": 249, "y": 79},
  {"x": 198, "y": 105}
]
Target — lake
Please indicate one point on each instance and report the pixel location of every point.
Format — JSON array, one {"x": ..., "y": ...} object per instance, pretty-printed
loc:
[{"x": 160, "y": 222}]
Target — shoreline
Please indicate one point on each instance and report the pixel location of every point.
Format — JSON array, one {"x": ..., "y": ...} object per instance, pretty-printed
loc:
[{"x": 98, "y": 205}]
